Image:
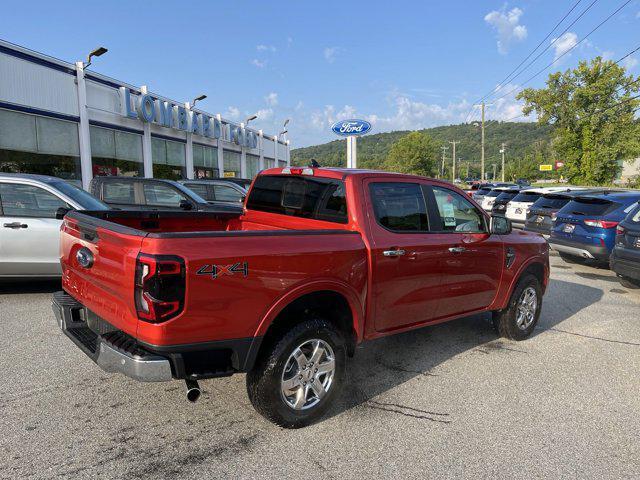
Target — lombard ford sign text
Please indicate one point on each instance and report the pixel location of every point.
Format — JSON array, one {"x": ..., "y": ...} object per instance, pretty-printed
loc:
[
  {"x": 167, "y": 114},
  {"x": 346, "y": 128}
]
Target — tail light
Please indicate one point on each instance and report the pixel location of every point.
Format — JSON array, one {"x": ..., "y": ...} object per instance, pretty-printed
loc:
[
  {"x": 297, "y": 171},
  {"x": 554, "y": 215},
  {"x": 620, "y": 230},
  {"x": 601, "y": 223},
  {"x": 159, "y": 287}
]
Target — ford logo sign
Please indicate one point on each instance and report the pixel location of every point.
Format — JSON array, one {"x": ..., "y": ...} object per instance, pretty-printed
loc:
[
  {"x": 84, "y": 257},
  {"x": 347, "y": 128}
]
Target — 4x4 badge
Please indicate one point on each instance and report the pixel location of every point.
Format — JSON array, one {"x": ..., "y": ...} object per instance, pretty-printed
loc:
[{"x": 217, "y": 270}]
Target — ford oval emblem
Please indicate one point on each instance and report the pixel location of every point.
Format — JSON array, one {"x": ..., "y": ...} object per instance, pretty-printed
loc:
[
  {"x": 84, "y": 257},
  {"x": 347, "y": 128}
]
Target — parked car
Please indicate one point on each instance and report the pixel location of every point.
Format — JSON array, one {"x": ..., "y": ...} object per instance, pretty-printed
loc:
[
  {"x": 501, "y": 201},
  {"x": 321, "y": 260},
  {"x": 216, "y": 192},
  {"x": 518, "y": 207},
  {"x": 542, "y": 213},
  {"x": 489, "y": 198},
  {"x": 243, "y": 182},
  {"x": 585, "y": 228},
  {"x": 523, "y": 182},
  {"x": 30, "y": 233},
  {"x": 138, "y": 193},
  {"x": 485, "y": 188},
  {"x": 625, "y": 256}
]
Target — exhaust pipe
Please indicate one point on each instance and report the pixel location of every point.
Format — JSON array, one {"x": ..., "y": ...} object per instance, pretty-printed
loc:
[{"x": 193, "y": 390}]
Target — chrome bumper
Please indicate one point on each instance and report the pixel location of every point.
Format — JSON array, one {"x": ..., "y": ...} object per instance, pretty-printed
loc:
[
  {"x": 578, "y": 252},
  {"x": 114, "y": 352}
]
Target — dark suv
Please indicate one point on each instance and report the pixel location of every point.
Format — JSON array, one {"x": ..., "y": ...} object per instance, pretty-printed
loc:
[
  {"x": 625, "y": 257},
  {"x": 137, "y": 193}
]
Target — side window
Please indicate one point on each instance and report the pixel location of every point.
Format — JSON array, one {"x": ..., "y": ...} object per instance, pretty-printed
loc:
[
  {"x": 399, "y": 207},
  {"x": 199, "y": 188},
  {"x": 333, "y": 204},
  {"x": 456, "y": 213},
  {"x": 118, "y": 192},
  {"x": 28, "y": 201},
  {"x": 161, "y": 195},
  {"x": 226, "y": 194}
]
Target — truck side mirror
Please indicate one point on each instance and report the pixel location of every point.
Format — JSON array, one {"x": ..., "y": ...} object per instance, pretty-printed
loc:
[
  {"x": 499, "y": 225},
  {"x": 61, "y": 212},
  {"x": 185, "y": 205}
]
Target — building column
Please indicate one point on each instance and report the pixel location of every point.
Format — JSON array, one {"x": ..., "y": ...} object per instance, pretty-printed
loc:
[
  {"x": 84, "y": 137},
  {"x": 261, "y": 150},
  {"x": 220, "y": 149},
  {"x": 243, "y": 158},
  {"x": 189, "y": 148},
  {"x": 275, "y": 151},
  {"x": 288, "y": 156},
  {"x": 147, "y": 155}
]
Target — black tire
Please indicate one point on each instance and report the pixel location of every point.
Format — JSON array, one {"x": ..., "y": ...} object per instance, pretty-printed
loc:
[
  {"x": 505, "y": 321},
  {"x": 570, "y": 258},
  {"x": 629, "y": 283},
  {"x": 264, "y": 380}
]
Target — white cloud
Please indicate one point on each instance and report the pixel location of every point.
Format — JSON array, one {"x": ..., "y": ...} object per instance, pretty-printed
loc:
[
  {"x": 630, "y": 63},
  {"x": 233, "y": 113},
  {"x": 330, "y": 53},
  {"x": 259, "y": 63},
  {"x": 507, "y": 26},
  {"x": 564, "y": 43},
  {"x": 271, "y": 99},
  {"x": 265, "y": 114},
  {"x": 265, "y": 48}
]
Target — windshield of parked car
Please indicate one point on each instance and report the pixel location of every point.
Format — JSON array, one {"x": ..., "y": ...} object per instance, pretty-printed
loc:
[
  {"x": 506, "y": 196},
  {"x": 527, "y": 197},
  {"x": 552, "y": 202},
  {"x": 82, "y": 197},
  {"x": 494, "y": 193},
  {"x": 483, "y": 190},
  {"x": 589, "y": 206}
]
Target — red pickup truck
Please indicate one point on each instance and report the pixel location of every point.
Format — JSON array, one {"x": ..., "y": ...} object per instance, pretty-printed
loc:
[{"x": 320, "y": 260}]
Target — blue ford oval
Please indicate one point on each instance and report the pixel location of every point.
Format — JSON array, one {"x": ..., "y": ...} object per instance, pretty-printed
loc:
[{"x": 346, "y": 128}]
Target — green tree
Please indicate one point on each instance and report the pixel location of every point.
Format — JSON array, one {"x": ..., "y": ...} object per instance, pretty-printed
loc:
[
  {"x": 415, "y": 153},
  {"x": 592, "y": 108}
]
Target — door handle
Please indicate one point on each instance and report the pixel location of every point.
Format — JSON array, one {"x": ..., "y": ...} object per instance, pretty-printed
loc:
[
  {"x": 15, "y": 225},
  {"x": 457, "y": 249},
  {"x": 393, "y": 253}
]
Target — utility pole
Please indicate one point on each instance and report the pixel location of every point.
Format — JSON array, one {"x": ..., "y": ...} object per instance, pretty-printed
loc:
[
  {"x": 444, "y": 150},
  {"x": 494, "y": 172},
  {"x": 502, "y": 150},
  {"x": 453, "y": 153}
]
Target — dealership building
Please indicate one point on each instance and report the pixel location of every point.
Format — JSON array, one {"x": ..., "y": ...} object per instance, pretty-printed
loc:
[{"x": 56, "y": 118}]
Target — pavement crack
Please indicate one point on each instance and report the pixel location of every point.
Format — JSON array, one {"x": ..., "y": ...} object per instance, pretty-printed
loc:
[
  {"x": 622, "y": 342},
  {"x": 408, "y": 411}
]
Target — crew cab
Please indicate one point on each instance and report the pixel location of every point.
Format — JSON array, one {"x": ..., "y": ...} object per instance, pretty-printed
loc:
[{"x": 319, "y": 261}]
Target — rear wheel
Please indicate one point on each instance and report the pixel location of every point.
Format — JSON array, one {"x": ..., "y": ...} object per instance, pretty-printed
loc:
[
  {"x": 298, "y": 376},
  {"x": 629, "y": 283},
  {"x": 518, "y": 320}
]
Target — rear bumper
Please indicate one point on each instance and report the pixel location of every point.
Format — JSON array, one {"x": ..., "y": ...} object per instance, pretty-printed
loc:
[
  {"x": 625, "y": 267},
  {"x": 537, "y": 228},
  {"x": 115, "y": 351},
  {"x": 579, "y": 249}
]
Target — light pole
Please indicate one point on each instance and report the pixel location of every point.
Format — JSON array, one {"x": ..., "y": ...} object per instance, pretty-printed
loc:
[
  {"x": 197, "y": 99},
  {"x": 250, "y": 118},
  {"x": 95, "y": 53},
  {"x": 502, "y": 151}
]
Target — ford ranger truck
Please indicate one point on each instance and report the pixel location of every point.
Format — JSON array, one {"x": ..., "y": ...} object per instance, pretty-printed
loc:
[{"x": 319, "y": 261}]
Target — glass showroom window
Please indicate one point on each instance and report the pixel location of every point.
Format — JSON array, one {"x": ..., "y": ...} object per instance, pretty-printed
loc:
[
  {"x": 169, "y": 159},
  {"x": 282, "y": 163},
  {"x": 269, "y": 162},
  {"x": 116, "y": 153},
  {"x": 231, "y": 163},
  {"x": 253, "y": 165},
  {"x": 42, "y": 145},
  {"x": 205, "y": 162}
]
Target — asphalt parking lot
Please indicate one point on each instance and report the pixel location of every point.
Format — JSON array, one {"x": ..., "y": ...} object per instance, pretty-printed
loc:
[{"x": 447, "y": 401}]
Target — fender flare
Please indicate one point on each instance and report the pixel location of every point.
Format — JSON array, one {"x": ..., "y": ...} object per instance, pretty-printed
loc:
[
  {"x": 319, "y": 285},
  {"x": 537, "y": 259}
]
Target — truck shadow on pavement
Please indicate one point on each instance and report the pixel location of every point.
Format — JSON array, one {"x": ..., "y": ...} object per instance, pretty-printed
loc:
[{"x": 383, "y": 364}]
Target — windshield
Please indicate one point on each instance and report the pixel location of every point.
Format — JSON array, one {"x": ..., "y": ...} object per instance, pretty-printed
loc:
[
  {"x": 529, "y": 197},
  {"x": 494, "y": 193},
  {"x": 82, "y": 197},
  {"x": 483, "y": 191},
  {"x": 553, "y": 202},
  {"x": 506, "y": 196},
  {"x": 589, "y": 206}
]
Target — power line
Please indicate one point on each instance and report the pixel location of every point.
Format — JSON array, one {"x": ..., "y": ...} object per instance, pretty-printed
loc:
[
  {"x": 509, "y": 77},
  {"x": 566, "y": 52}
]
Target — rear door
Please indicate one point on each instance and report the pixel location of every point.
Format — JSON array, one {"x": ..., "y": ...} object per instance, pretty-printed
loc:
[
  {"x": 162, "y": 196},
  {"x": 124, "y": 194},
  {"x": 29, "y": 233},
  {"x": 405, "y": 257},
  {"x": 472, "y": 260}
]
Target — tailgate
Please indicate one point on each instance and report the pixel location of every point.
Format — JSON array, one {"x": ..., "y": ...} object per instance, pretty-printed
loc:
[{"x": 105, "y": 286}]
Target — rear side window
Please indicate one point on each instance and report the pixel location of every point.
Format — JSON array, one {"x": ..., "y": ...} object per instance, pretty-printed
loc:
[
  {"x": 199, "y": 188},
  {"x": 399, "y": 207},
  {"x": 589, "y": 206},
  {"x": 118, "y": 192},
  {"x": 300, "y": 196},
  {"x": 227, "y": 194},
  {"x": 28, "y": 201}
]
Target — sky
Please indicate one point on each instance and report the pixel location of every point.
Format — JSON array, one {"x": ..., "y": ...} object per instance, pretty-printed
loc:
[{"x": 400, "y": 65}]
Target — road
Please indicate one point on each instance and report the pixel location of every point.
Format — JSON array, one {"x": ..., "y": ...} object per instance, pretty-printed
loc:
[{"x": 447, "y": 401}]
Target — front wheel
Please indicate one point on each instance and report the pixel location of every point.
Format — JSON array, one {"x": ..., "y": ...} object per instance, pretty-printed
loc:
[
  {"x": 298, "y": 376},
  {"x": 518, "y": 320}
]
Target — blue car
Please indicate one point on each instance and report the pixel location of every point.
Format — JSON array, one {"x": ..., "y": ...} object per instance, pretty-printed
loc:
[{"x": 586, "y": 226}]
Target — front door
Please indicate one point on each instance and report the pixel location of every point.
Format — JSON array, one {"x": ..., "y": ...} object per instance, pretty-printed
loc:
[
  {"x": 406, "y": 260},
  {"x": 29, "y": 231},
  {"x": 473, "y": 259}
]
